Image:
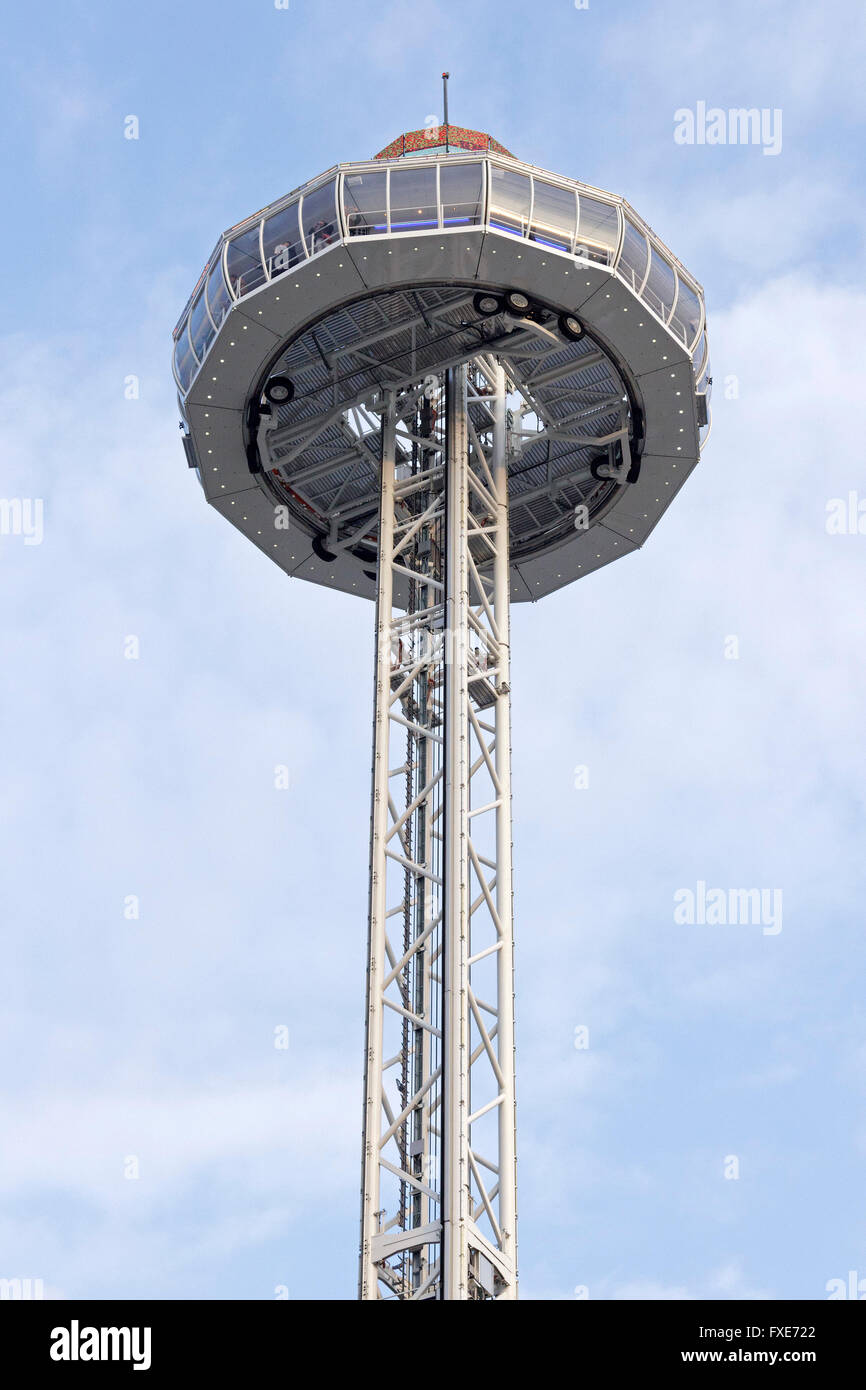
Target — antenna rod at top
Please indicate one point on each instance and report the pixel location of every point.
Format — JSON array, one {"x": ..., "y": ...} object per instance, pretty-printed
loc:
[{"x": 445, "y": 77}]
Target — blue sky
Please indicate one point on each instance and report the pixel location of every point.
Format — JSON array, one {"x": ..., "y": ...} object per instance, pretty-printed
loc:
[{"x": 153, "y": 1037}]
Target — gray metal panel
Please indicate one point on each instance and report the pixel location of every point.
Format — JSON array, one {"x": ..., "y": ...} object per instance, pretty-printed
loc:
[
  {"x": 219, "y": 443},
  {"x": 305, "y": 292},
  {"x": 236, "y": 357}
]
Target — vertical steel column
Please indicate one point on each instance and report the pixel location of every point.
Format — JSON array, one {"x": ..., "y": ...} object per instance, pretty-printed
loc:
[
  {"x": 504, "y": 894},
  {"x": 378, "y": 835},
  {"x": 455, "y": 1053}
]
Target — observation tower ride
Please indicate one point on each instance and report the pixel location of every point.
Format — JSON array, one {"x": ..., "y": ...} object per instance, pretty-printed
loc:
[{"x": 443, "y": 380}]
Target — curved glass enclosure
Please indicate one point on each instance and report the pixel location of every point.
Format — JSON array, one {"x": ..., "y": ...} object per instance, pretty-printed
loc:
[
  {"x": 461, "y": 194},
  {"x": 413, "y": 199},
  {"x": 597, "y": 230},
  {"x": 634, "y": 257},
  {"x": 659, "y": 292},
  {"x": 218, "y": 298},
  {"x": 365, "y": 202},
  {"x": 244, "y": 263},
  {"x": 319, "y": 226},
  {"x": 185, "y": 364},
  {"x": 282, "y": 246},
  {"x": 686, "y": 319},
  {"x": 438, "y": 195},
  {"x": 699, "y": 355},
  {"x": 201, "y": 329},
  {"x": 554, "y": 215},
  {"x": 510, "y": 201}
]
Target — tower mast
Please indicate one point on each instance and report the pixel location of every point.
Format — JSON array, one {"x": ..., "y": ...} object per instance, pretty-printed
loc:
[{"x": 438, "y": 1183}]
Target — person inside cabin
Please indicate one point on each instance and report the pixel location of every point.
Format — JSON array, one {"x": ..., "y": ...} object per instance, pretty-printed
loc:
[{"x": 320, "y": 236}]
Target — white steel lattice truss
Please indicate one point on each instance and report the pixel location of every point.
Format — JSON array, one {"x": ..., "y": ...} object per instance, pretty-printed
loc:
[{"x": 439, "y": 1183}]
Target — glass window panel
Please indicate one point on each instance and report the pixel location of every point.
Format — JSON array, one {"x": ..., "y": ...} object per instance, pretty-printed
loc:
[
  {"x": 554, "y": 215},
  {"x": 633, "y": 257},
  {"x": 244, "y": 263},
  {"x": 218, "y": 297},
  {"x": 185, "y": 364},
  {"x": 687, "y": 314},
  {"x": 659, "y": 289},
  {"x": 700, "y": 352},
  {"x": 461, "y": 191},
  {"x": 281, "y": 240},
  {"x": 364, "y": 198},
  {"x": 413, "y": 199},
  {"x": 597, "y": 230},
  {"x": 509, "y": 200},
  {"x": 319, "y": 217},
  {"x": 200, "y": 327},
  {"x": 703, "y": 378}
]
